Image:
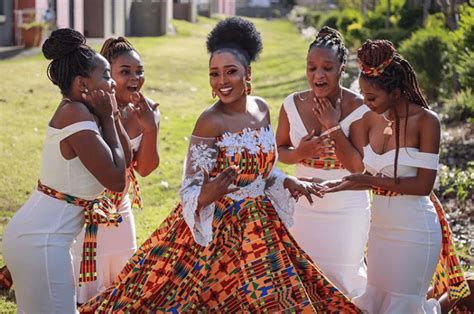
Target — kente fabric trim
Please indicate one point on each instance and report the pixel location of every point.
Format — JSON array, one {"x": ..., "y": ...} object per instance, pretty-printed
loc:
[{"x": 98, "y": 211}]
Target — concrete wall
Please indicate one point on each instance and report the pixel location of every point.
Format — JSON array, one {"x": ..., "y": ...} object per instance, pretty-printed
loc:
[
  {"x": 62, "y": 14},
  {"x": 6, "y": 25},
  {"x": 148, "y": 18},
  {"x": 185, "y": 11}
]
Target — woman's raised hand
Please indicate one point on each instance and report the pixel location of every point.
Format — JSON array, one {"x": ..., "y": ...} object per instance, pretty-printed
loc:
[
  {"x": 327, "y": 114},
  {"x": 143, "y": 110},
  {"x": 213, "y": 190},
  {"x": 311, "y": 145},
  {"x": 103, "y": 104}
]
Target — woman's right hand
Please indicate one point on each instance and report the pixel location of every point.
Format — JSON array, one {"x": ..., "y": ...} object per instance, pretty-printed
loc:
[
  {"x": 311, "y": 145},
  {"x": 103, "y": 104},
  {"x": 213, "y": 190}
]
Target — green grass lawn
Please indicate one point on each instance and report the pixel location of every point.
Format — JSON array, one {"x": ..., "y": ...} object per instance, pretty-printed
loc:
[{"x": 176, "y": 76}]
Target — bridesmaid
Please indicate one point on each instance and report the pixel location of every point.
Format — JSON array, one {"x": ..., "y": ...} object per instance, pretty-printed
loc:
[
  {"x": 140, "y": 117},
  {"x": 225, "y": 247},
  {"x": 313, "y": 133},
  {"x": 400, "y": 145},
  {"x": 78, "y": 161}
]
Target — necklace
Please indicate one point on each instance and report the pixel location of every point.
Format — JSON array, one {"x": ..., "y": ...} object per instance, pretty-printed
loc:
[
  {"x": 388, "y": 129},
  {"x": 66, "y": 99}
]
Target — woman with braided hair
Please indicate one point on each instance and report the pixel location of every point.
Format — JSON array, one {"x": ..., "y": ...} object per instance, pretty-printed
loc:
[
  {"x": 400, "y": 145},
  {"x": 140, "y": 118},
  {"x": 314, "y": 133},
  {"x": 82, "y": 154},
  {"x": 225, "y": 248}
]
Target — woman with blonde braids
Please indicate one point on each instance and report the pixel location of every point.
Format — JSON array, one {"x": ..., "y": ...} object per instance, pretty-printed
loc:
[
  {"x": 314, "y": 133},
  {"x": 140, "y": 118},
  {"x": 409, "y": 237}
]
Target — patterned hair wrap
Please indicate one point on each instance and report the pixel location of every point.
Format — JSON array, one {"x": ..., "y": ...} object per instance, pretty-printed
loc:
[
  {"x": 375, "y": 71},
  {"x": 98, "y": 211}
]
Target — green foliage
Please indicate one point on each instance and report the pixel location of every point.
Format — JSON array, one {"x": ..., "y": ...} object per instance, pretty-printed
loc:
[
  {"x": 465, "y": 69},
  {"x": 410, "y": 18},
  {"x": 395, "y": 35},
  {"x": 312, "y": 18},
  {"x": 374, "y": 21},
  {"x": 457, "y": 183},
  {"x": 348, "y": 17},
  {"x": 460, "y": 107},
  {"x": 427, "y": 52},
  {"x": 330, "y": 19},
  {"x": 466, "y": 26}
]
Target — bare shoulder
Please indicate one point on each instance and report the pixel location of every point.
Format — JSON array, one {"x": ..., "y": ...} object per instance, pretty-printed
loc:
[
  {"x": 153, "y": 104},
  {"x": 429, "y": 119},
  {"x": 262, "y": 106},
  {"x": 209, "y": 123},
  {"x": 70, "y": 113},
  {"x": 354, "y": 100}
]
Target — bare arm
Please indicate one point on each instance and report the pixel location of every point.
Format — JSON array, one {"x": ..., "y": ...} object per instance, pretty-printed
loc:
[
  {"x": 101, "y": 155},
  {"x": 329, "y": 116},
  {"x": 147, "y": 157},
  {"x": 423, "y": 182}
]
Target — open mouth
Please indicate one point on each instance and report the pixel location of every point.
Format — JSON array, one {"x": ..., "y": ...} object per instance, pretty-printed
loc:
[
  {"x": 320, "y": 84},
  {"x": 225, "y": 91},
  {"x": 132, "y": 89}
]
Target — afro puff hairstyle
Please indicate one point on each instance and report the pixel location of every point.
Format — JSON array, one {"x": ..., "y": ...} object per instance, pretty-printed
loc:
[{"x": 237, "y": 36}]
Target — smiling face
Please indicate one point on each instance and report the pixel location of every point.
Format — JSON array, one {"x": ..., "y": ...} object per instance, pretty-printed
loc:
[
  {"x": 100, "y": 77},
  {"x": 323, "y": 71},
  {"x": 376, "y": 98},
  {"x": 128, "y": 73},
  {"x": 227, "y": 76}
]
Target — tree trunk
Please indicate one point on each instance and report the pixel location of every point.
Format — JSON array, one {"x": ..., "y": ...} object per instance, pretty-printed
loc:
[
  {"x": 449, "y": 8},
  {"x": 426, "y": 7},
  {"x": 387, "y": 18}
]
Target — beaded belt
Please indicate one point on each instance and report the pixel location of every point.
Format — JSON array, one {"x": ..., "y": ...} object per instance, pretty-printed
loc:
[
  {"x": 383, "y": 192},
  {"x": 327, "y": 163},
  {"x": 449, "y": 276},
  {"x": 98, "y": 211}
]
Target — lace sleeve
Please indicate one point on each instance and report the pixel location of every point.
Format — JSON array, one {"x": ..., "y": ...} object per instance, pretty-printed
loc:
[
  {"x": 281, "y": 199},
  {"x": 201, "y": 155}
]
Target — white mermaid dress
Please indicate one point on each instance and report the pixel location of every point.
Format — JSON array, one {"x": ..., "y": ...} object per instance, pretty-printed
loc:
[
  {"x": 333, "y": 231},
  {"x": 404, "y": 240}
]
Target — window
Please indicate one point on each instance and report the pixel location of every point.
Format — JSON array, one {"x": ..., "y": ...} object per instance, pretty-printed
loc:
[{"x": 3, "y": 17}]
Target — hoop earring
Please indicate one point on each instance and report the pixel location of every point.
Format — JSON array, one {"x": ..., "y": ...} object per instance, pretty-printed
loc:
[
  {"x": 84, "y": 93},
  {"x": 248, "y": 87},
  {"x": 213, "y": 93}
]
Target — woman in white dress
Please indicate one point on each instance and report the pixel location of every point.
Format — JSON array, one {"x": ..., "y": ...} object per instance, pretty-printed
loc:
[
  {"x": 140, "y": 117},
  {"x": 78, "y": 161},
  {"x": 333, "y": 231},
  {"x": 400, "y": 145}
]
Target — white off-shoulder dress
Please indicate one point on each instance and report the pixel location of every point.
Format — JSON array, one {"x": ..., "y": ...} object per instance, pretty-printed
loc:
[
  {"x": 404, "y": 240},
  {"x": 37, "y": 240},
  {"x": 333, "y": 231}
]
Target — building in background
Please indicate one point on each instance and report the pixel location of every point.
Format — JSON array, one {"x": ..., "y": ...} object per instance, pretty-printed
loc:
[{"x": 219, "y": 7}]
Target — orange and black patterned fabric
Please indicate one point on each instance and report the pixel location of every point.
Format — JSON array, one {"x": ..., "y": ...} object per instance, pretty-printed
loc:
[
  {"x": 449, "y": 276},
  {"x": 98, "y": 211},
  {"x": 252, "y": 264},
  {"x": 326, "y": 161},
  {"x": 117, "y": 197}
]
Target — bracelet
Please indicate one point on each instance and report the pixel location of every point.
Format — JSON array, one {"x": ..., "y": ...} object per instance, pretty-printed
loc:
[
  {"x": 116, "y": 115},
  {"x": 329, "y": 131}
]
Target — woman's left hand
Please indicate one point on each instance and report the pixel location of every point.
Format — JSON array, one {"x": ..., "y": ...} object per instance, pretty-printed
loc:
[
  {"x": 359, "y": 178},
  {"x": 297, "y": 188},
  {"x": 327, "y": 114},
  {"x": 143, "y": 111}
]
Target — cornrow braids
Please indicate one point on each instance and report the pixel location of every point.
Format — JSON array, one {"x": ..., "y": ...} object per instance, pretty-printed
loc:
[
  {"x": 113, "y": 47},
  {"x": 70, "y": 56},
  {"x": 328, "y": 37},
  {"x": 396, "y": 74}
]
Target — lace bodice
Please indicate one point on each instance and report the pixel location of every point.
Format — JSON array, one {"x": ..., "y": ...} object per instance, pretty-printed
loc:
[
  {"x": 409, "y": 160},
  {"x": 253, "y": 151}
]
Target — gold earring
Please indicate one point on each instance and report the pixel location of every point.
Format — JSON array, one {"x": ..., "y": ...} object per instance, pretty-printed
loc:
[
  {"x": 213, "y": 93},
  {"x": 248, "y": 87},
  {"x": 84, "y": 93}
]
